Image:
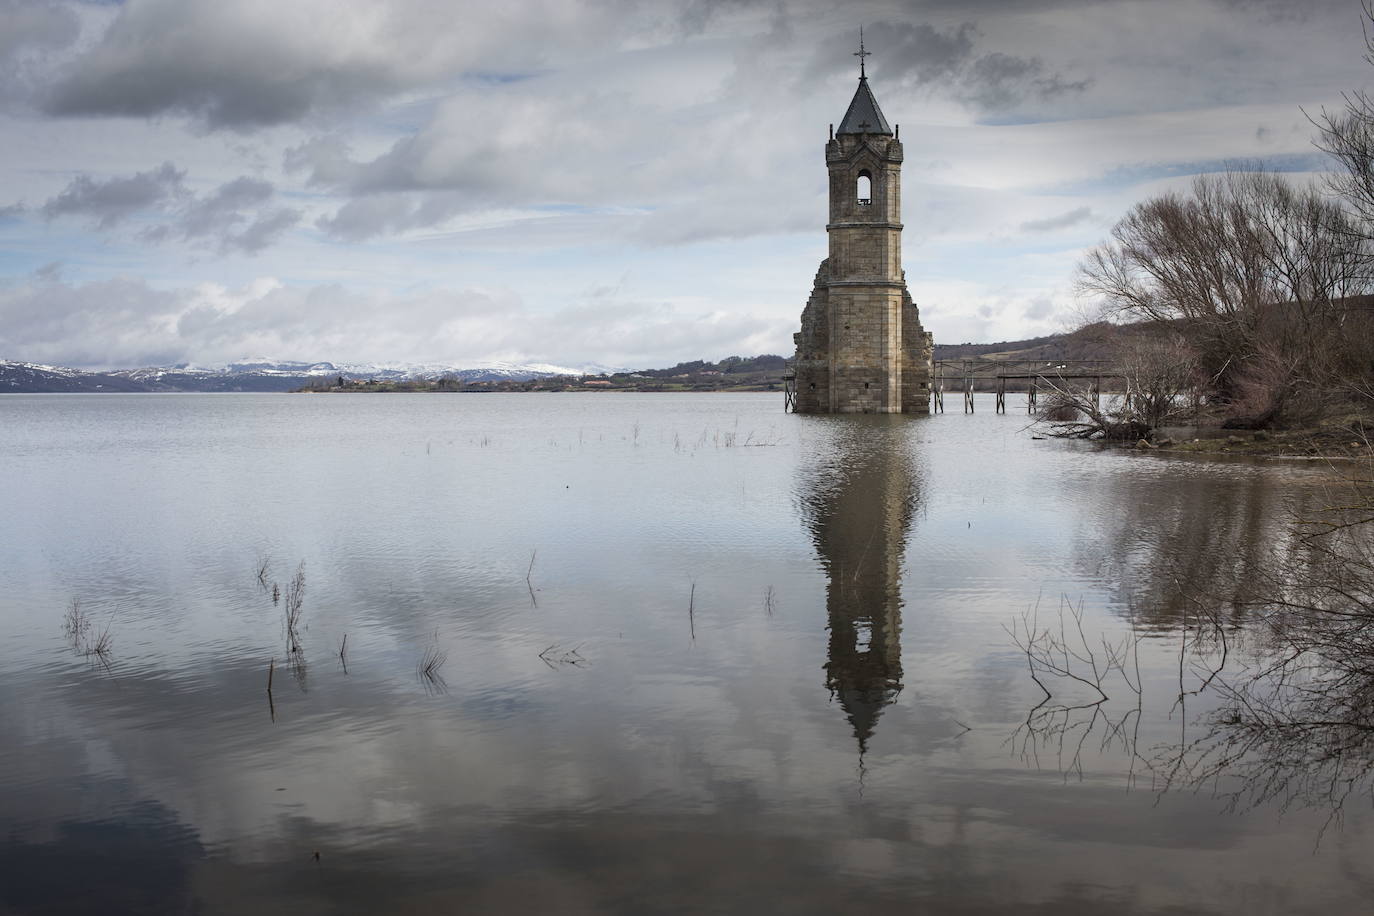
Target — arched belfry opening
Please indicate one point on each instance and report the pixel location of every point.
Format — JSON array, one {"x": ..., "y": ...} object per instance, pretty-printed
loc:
[{"x": 861, "y": 348}]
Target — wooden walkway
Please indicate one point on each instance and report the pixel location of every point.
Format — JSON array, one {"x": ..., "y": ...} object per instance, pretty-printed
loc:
[{"x": 967, "y": 373}]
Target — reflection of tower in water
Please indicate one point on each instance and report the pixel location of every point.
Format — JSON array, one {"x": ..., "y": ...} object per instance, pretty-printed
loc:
[{"x": 859, "y": 494}]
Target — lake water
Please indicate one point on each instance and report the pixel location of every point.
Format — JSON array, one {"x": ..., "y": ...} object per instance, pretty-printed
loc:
[{"x": 692, "y": 655}]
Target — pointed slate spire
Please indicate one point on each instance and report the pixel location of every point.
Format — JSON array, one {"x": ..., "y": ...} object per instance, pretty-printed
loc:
[{"x": 864, "y": 116}]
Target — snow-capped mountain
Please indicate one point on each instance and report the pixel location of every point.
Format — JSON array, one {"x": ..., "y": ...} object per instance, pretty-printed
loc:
[
  {"x": 484, "y": 371},
  {"x": 262, "y": 374}
]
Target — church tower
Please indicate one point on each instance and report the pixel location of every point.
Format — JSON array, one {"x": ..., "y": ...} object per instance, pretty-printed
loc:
[{"x": 861, "y": 348}]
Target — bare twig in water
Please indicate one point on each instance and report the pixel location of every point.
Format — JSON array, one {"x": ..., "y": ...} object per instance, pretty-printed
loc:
[
  {"x": 76, "y": 624},
  {"x": 428, "y": 668},
  {"x": 529, "y": 585},
  {"x": 1066, "y": 657},
  {"x": 78, "y": 627},
  {"x": 691, "y": 612},
  {"x": 271, "y": 669},
  {"x": 100, "y": 646},
  {"x": 343, "y": 653},
  {"x": 432, "y": 660},
  {"x": 556, "y": 655},
  {"x": 276, "y": 593},
  {"x": 294, "y": 607},
  {"x": 768, "y": 600},
  {"x": 264, "y": 566}
]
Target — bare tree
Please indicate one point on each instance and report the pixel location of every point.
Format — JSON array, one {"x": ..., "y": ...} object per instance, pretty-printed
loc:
[
  {"x": 1162, "y": 382},
  {"x": 1254, "y": 272},
  {"x": 1348, "y": 136}
]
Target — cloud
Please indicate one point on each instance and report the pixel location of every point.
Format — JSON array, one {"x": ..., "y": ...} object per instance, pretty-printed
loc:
[
  {"x": 113, "y": 200},
  {"x": 26, "y": 26},
  {"x": 375, "y": 215},
  {"x": 124, "y": 322},
  {"x": 1286, "y": 11},
  {"x": 261, "y": 232},
  {"x": 925, "y": 53},
  {"x": 236, "y": 65},
  {"x": 235, "y": 217},
  {"x": 254, "y": 63},
  {"x": 998, "y": 82},
  {"x": 949, "y": 60},
  {"x": 30, "y": 33},
  {"x": 1062, "y": 221},
  {"x": 1039, "y": 308},
  {"x": 217, "y": 217}
]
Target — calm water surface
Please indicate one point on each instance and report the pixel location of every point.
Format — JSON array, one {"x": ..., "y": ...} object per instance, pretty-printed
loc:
[{"x": 697, "y": 655}]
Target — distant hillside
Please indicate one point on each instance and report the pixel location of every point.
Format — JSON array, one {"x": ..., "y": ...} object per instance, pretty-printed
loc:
[
  {"x": 1092, "y": 342},
  {"x": 29, "y": 377},
  {"x": 734, "y": 373},
  {"x": 254, "y": 375}
]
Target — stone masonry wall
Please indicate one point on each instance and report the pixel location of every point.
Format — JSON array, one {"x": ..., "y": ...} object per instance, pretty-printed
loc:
[
  {"x": 812, "y": 364},
  {"x": 861, "y": 348}
]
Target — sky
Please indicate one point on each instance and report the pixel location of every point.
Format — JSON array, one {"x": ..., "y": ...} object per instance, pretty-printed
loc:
[{"x": 627, "y": 183}]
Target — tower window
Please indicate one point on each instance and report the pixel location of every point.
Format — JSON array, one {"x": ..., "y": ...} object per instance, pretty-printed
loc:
[{"x": 864, "y": 193}]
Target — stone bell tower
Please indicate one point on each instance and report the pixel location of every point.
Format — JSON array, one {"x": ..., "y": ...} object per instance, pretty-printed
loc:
[{"x": 861, "y": 348}]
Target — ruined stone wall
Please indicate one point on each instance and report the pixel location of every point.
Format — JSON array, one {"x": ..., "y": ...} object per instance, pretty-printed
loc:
[
  {"x": 812, "y": 363},
  {"x": 918, "y": 349}
]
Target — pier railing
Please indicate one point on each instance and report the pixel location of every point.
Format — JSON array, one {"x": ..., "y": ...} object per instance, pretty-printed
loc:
[
  {"x": 968, "y": 375},
  {"x": 971, "y": 374}
]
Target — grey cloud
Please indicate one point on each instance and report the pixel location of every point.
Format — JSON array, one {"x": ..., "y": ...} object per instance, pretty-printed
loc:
[
  {"x": 947, "y": 59},
  {"x": 233, "y": 218},
  {"x": 379, "y": 214},
  {"x": 696, "y": 15},
  {"x": 217, "y": 217},
  {"x": 126, "y": 322},
  {"x": 327, "y": 159},
  {"x": 12, "y": 211},
  {"x": 98, "y": 324},
  {"x": 26, "y": 26},
  {"x": 32, "y": 34},
  {"x": 992, "y": 7},
  {"x": 1062, "y": 221},
  {"x": 231, "y": 66},
  {"x": 263, "y": 231},
  {"x": 368, "y": 217},
  {"x": 1292, "y": 10},
  {"x": 209, "y": 215},
  {"x": 245, "y": 66},
  {"x": 928, "y": 54},
  {"x": 113, "y": 200},
  {"x": 997, "y": 82},
  {"x": 907, "y": 50},
  {"x": 1039, "y": 309}
]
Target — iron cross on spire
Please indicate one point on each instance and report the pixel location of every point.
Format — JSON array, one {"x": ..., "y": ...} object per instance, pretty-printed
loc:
[{"x": 861, "y": 54}]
